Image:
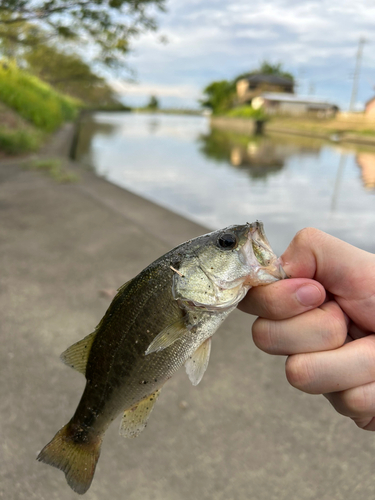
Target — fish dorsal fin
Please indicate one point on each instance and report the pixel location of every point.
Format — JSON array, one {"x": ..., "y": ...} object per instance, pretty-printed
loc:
[
  {"x": 135, "y": 418},
  {"x": 197, "y": 364},
  {"x": 76, "y": 355},
  {"x": 167, "y": 336}
]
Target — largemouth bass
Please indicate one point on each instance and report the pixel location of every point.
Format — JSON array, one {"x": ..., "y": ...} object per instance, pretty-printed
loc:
[{"x": 158, "y": 321}]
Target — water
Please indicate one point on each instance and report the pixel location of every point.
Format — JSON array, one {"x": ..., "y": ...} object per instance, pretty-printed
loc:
[{"x": 220, "y": 178}]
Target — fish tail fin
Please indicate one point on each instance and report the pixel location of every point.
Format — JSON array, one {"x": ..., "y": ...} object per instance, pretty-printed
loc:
[{"x": 75, "y": 458}]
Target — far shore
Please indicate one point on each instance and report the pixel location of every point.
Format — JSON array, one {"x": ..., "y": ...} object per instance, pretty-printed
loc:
[
  {"x": 336, "y": 130},
  {"x": 344, "y": 128}
]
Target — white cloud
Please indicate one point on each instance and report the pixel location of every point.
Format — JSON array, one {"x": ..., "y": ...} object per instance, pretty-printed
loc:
[
  {"x": 217, "y": 39},
  {"x": 147, "y": 89}
]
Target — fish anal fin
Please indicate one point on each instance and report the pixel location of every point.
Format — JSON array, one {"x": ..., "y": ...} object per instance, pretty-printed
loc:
[
  {"x": 197, "y": 364},
  {"x": 76, "y": 355},
  {"x": 135, "y": 418},
  {"x": 167, "y": 336},
  {"x": 76, "y": 459}
]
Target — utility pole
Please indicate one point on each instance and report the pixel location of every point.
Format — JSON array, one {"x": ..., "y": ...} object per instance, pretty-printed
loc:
[{"x": 353, "y": 99}]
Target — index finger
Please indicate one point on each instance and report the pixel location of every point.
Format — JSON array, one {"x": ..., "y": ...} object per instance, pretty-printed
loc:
[
  {"x": 336, "y": 264},
  {"x": 344, "y": 270}
]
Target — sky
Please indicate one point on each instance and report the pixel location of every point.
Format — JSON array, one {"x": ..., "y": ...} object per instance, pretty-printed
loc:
[{"x": 209, "y": 40}]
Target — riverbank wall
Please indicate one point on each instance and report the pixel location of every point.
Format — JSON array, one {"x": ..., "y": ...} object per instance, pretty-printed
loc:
[{"x": 344, "y": 128}]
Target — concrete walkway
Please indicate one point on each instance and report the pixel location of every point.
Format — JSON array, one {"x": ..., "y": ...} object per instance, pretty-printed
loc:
[{"x": 242, "y": 434}]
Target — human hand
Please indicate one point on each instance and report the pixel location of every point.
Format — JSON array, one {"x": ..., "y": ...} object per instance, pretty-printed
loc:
[{"x": 323, "y": 319}]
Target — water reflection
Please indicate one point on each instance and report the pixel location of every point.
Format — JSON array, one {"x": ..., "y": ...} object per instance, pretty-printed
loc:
[
  {"x": 366, "y": 162},
  {"x": 259, "y": 156},
  {"x": 153, "y": 125},
  {"x": 87, "y": 129},
  {"x": 219, "y": 178}
]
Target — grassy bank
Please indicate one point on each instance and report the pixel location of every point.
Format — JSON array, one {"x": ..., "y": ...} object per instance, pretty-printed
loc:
[
  {"x": 344, "y": 127},
  {"x": 29, "y": 110},
  {"x": 17, "y": 136}
]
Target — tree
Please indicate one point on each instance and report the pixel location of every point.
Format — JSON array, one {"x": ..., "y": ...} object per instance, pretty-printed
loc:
[
  {"x": 69, "y": 74},
  {"x": 153, "y": 103},
  {"x": 267, "y": 68},
  {"x": 33, "y": 50},
  {"x": 219, "y": 96},
  {"x": 108, "y": 24},
  {"x": 17, "y": 37}
]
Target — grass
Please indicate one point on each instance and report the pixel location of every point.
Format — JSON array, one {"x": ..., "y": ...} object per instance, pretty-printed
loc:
[
  {"x": 323, "y": 126},
  {"x": 55, "y": 169},
  {"x": 19, "y": 141},
  {"x": 368, "y": 131},
  {"x": 34, "y": 100}
]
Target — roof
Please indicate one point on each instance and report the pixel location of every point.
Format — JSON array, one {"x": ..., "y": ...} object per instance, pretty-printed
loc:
[
  {"x": 370, "y": 101},
  {"x": 271, "y": 79},
  {"x": 280, "y": 96}
]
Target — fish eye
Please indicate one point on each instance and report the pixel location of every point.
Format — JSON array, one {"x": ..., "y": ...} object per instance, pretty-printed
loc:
[{"x": 227, "y": 241}]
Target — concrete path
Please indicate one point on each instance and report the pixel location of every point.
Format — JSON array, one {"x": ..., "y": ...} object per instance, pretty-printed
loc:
[{"x": 242, "y": 434}]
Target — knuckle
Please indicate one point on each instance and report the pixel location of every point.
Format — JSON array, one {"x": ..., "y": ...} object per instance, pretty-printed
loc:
[
  {"x": 370, "y": 349},
  {"x": 367, "y": 352},
  {"x": 358, "y": 401},
  {"x": 306, "y": 235},
  {"x": 264, "y": 335},
  {"x": 300, "y": 372},
  {"x": 333, "y": 331}
]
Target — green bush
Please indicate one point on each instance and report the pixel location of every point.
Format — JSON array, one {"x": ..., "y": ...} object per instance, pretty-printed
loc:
[
  {"x": 33, "y": 99},
  {"x": 19, "y": 141},
  {"x": 247, "y": 112}
]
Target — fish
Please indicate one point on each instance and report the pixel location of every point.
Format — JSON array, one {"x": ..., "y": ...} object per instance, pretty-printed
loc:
[{"x": 158, "y": 321}]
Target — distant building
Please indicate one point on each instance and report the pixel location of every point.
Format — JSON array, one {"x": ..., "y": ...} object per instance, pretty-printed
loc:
[
  {"x": 370, "y": 108},
  {"x": 253, "y": 85},
  {"x": 289, "y": 104}
]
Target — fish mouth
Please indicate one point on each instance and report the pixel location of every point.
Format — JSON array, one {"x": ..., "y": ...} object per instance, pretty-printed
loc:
[
  {"x": 277, "y": 271},
  {"x": 261, "y": 263}
]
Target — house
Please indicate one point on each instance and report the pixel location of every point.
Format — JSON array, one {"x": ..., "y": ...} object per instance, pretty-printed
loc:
[
  {"x": 370, "y": 108},
  {"x": 292, "y": 105},
  {"x": 253, "y": 85}
]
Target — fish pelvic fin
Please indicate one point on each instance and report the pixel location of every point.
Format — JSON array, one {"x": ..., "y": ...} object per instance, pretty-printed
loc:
[
  {"x": 197, "y": 363},
  {"x": 77, "y": 355},
  {"x": 135, "y": 418},
  {"x": 76, "y": 459}
]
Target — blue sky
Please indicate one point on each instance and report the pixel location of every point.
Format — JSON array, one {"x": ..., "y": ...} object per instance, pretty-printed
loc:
[{"x": 208, "y": 40}]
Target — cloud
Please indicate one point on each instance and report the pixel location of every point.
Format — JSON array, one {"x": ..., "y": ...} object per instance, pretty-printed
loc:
[
  {"x": 218, "y": 39},
  {"x": 147, "y": 89}
]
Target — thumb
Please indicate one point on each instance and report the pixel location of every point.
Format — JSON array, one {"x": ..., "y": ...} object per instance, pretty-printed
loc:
[{"x": 344, "y": 270}]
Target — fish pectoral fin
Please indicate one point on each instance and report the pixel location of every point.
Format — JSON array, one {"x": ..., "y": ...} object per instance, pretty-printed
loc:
[
  {"x": 197, "y": 364},
  {"x": 167, "y": 336},
  {"x": 135, "y": 418},
  {"x": 76, "y": 355}
]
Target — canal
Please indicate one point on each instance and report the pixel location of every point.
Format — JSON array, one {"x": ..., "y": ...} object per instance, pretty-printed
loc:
[{"x": 218, "y": 178}]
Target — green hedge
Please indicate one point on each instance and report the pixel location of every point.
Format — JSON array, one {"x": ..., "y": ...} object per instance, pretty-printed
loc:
[
  {"x": 247, "y": 112},
  {"x": 33, "y": 99}
]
